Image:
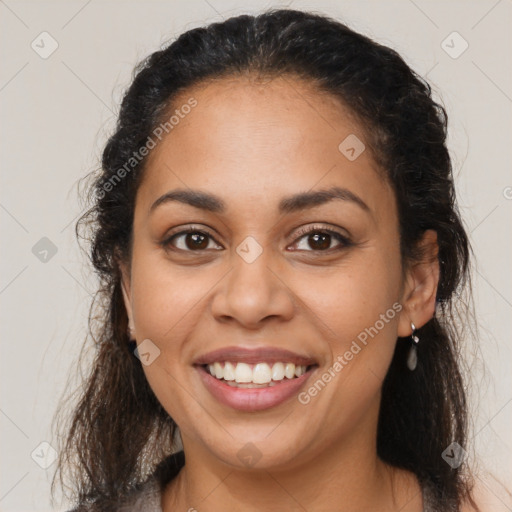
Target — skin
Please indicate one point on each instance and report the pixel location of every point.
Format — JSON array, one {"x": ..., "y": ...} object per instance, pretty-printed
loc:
[{"x": 252, "y": 144}]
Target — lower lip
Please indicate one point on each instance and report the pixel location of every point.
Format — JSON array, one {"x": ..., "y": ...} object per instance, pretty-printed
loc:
[{"x": 255, "y": 399}]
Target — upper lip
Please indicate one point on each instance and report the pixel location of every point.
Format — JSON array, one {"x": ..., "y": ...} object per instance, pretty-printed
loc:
[{"x": 267, "y": 354}]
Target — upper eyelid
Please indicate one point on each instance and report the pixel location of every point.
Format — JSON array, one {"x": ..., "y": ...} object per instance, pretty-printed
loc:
[
  {"x": 189, "y": 229},
  {"x": 301, "y": 230},
  {"x": 304, "y": 230}
]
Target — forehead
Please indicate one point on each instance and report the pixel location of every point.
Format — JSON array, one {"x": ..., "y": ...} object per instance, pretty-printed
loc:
[{"x": 252, "y": 140}]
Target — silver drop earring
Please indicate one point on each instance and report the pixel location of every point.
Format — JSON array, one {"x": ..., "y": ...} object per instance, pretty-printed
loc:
[
  {"x": 132, "y": 344},
  {"x": 412, "y": 356}
]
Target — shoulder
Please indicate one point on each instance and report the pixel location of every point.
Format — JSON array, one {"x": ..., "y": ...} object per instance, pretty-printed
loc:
[{"x": 489, "y": 495}]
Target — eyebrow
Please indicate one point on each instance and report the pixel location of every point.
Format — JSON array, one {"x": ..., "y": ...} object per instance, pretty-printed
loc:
[{"x": 296, "y": 202}]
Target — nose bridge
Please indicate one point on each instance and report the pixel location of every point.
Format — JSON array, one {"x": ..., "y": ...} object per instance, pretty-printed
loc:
[{"x": 252, "y": 291}]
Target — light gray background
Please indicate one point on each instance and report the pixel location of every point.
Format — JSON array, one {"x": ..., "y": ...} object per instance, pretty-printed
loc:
[{"x": 55, "y": 115}]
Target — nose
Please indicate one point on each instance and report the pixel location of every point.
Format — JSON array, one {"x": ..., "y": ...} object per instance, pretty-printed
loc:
[{"x": 252, "y": 293}]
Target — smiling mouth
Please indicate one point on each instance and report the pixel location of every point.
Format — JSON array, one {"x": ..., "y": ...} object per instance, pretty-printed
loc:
[{"x": 259, "y": 375}]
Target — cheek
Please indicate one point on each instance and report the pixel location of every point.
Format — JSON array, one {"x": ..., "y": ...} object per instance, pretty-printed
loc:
[
  {"x": 353, "y": 297},
  {"x": 166, "y": 298},
  {"x": 357, "y": 309},
  {"x": 167, "y": 308},
  {"x": 361, "y": 319},
  {"x": 173, "y": 391}
]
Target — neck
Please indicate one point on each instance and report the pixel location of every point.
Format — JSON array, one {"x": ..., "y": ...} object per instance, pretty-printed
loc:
[{"x": 348, "y": 476}]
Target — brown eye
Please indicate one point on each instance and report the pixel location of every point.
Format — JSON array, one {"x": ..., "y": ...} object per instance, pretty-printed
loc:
[
  {"x": 191, "y": 240},
  {"x": 196, "y": 241},
  {"x": 317, "y": 239}
]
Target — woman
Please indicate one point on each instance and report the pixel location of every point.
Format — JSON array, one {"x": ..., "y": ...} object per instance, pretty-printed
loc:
[{"x": 280, "y": 249}]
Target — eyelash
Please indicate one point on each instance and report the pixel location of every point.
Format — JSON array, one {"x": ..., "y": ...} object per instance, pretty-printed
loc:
[{"x": 344, "y": 241}]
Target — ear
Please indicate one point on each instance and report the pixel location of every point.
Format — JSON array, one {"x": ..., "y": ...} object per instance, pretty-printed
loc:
[
  {"x": 126, "y": 289},
  {"x": 421, "y": 281}
]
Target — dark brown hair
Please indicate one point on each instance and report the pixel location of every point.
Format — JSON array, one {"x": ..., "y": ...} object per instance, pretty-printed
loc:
[{"x": 119, "y": 431}]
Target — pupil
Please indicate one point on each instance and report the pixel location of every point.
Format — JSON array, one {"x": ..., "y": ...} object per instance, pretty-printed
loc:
[{"x": 322, "y": 241}]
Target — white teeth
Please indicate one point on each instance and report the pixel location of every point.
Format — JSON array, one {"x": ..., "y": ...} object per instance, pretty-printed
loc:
[
  {"x": 289, "y": 370},
  {"x": 229, "y": 371},
  {"x": 261, "y": 374},
  {"x": 243, "y": 373},
  {"x": 250, "y": 385},
  {"x": 219, "y": 372},
  {"x": 278, "y": 371},
  {"x": 258, "y": 374}
]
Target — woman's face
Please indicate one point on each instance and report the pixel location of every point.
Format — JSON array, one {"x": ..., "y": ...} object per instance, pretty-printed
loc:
[{"x": 250, "y": 277}]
